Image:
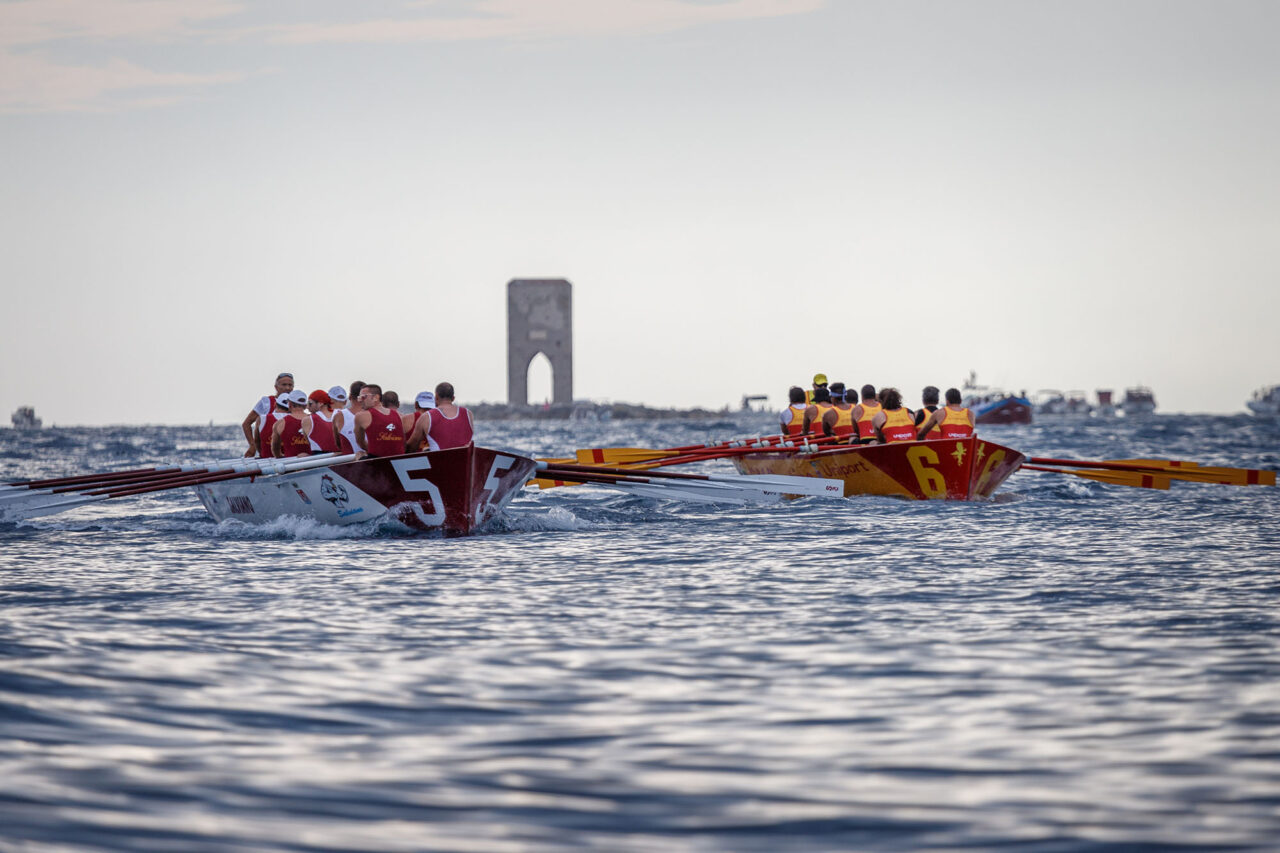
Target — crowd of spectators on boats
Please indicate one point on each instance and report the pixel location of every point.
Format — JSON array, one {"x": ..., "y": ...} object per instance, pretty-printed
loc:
[
  {"x": 865, "y": 416},
  {"x": 361, "y": 419}
]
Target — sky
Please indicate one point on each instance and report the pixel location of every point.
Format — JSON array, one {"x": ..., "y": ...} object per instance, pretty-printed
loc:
[{"x": 196, "y": 195}]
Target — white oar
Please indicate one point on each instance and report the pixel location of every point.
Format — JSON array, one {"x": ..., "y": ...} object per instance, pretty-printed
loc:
[
  {"x": 50, "y": 504},
  {"x": 733, "y": 487}
]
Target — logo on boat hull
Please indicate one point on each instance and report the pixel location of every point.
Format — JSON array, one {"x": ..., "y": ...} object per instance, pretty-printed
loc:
[{"x": 335, "y": 493}]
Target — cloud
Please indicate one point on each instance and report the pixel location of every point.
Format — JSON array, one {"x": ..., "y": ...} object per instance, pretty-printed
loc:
[{"x": 45, "y": 44}]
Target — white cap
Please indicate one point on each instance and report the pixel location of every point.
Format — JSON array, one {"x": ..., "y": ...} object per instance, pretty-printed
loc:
[
  {"x": 338, "y": 394},
  {"x": 297, "y": 397},
  {"x": 425, "y": 400},
  {"x": 283, "y": 400}
]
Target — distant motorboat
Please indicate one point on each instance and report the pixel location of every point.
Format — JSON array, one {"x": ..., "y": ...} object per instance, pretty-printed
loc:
[
  {"x": 991, "y": 406},
  {"x": 1106, "y": 407},
  {"x": 1138, "y": 401},
  {"x": 1266, "y": 401},
  {"x": 25, "y": 418},
  {"x": 1048, "y": 401}
]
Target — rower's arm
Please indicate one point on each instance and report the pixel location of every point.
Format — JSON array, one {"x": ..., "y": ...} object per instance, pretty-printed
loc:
[
  {"x": 418, "y": 438},
  {"x": 250, "y": 427},
  {"x": 277, "y": 446},
  {"x": 361, "y": 442},
  {"x": 927, "y": 425}
]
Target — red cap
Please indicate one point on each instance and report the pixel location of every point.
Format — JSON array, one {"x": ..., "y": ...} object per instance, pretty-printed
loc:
[{"x": 321, "y": 396}]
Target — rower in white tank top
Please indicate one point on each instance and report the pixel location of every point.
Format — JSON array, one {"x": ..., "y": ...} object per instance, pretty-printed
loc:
[{"x": 349, "y": 427}]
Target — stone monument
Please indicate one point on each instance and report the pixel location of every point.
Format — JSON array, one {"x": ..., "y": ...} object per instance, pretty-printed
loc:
[{"x": 539, "y": 320}]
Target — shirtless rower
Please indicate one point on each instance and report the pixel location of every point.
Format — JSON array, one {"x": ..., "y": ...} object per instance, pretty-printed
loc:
[
  {"x": 379, "y": 431},
  {"x": 953, "y": 419},
  {"x": 319, "y": 425},
  {"x": 260, "y": 410},
  {"x": 288, "y": 438},
  {"x": 448, "y": 425},
  {"x": 344, "y": 420}
]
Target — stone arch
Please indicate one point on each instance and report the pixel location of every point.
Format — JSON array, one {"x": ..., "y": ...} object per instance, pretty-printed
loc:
[
  {"x": 539, "y": 320},
  {"x": 539, "y": 366}
]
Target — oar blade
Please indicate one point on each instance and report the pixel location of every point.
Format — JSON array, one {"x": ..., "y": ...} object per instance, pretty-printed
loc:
[
  {"x": 1195, "y": 472},
  {"x": 619, "y": 455}
]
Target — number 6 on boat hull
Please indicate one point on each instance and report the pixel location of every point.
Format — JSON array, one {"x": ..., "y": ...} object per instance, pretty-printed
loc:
[{"x": 941, "y": 469}]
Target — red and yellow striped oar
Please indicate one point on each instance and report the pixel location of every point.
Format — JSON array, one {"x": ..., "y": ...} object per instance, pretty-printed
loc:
[
  {"x": 1136, "y": 479},
  {"x": 1175, "y": 469},
  {"x": 1183, "y": 470},
  {"x": 632, "y": 455}
]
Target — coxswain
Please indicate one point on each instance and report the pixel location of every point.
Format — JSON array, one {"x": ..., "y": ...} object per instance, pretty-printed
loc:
[
  {"x": 344, "y": 420},
  {"x": 319, "y": 425},
  {"x": 252, "y": 424},
  {"x": 953, "y": 419},
  {"x": 820, "y": 416},
  {"x": 929, "y": 399},
  {"x": 379, "y": 431},
  {"x": 843, "y": 426},
  {"x": 446, "y": 426},
  {"x": 288, "y": 438},
  {"x": 863, "y": 413},
  {"x": 894, "y": 421},
  {"x": 423, "y": 403},
  {"x": 793, "y": 415},
  {"x": 819, "y": 381},
  {"x": 267, "y": 428}
]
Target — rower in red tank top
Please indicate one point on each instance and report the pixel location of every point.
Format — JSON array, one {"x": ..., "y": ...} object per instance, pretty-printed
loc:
[
  {"x": 287, "y": 438},
  {"x": 447, "y": 425},
  {"x": 379, "y": 430},
  {"x": 319, "y": 426},
  {"x": 267, "y": 428}
]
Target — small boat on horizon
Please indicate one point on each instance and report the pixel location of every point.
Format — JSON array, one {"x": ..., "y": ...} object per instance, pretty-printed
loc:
[
  {"x": 1139, "y": 400},
  {"x": 25, "y": 419},
  {"x": 1266, "y": 401}
]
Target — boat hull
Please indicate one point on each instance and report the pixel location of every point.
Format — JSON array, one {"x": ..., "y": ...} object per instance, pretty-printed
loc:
[
  {"x": 456, "y": 491},
  {"x": 940, "y": 469},
  {"x": 1009, "y": 410}
]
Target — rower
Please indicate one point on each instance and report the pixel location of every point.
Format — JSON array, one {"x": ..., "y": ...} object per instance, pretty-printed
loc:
[
  {"x": 423, "y": 403},
  {"x": 252, "y": 424},
  {"x": 929, "y": 397},
  {"x": 864, "y": 412},
  {"x": 819, "y": 381},
  {"x": 793, "y": 415},
  {"x": 953, "y": 419},
  {"x": 893, "y": 422},
  {"x": 843, "y": 427},
  {"x": 319, "y": 425},
  {"x": 820, "y": 416},
  {"x": 378, "y": 429},
  {"x": 344, "y": 420},
  {"x": 267, "y": 429},
  {"x": 447, "y": 426},
  {"x": 288, "y": 438}
]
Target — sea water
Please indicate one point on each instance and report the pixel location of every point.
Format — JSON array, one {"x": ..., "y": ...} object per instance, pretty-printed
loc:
[{"x": 1070, "y": 666}]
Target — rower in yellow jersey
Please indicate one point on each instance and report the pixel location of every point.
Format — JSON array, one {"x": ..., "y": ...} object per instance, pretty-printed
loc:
[
  {"x": 864, "y": 412},
  {"x": 819, "y": 381},
  {"x": 843, "y": 427},
  {"x": 929, "y": 396},
  {"x": 821, "y": 415},
  {"x": 792, "y": 420}
]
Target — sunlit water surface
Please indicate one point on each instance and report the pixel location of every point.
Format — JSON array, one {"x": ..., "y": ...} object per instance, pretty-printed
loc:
[{"x": 1071, "y": 666}]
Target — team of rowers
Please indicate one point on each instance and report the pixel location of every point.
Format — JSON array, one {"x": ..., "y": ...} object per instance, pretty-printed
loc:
[
  {"x": 875, "y": 418},
  {"x": 364, "y": 420}
]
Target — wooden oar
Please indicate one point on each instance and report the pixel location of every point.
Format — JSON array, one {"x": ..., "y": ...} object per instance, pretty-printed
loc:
[
  {"x": 1176, "y": 469},
  {"x": 47, "y": 503},
  {"x": 626, "y": 455},
  {"x": 1136, "y": 479}
]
